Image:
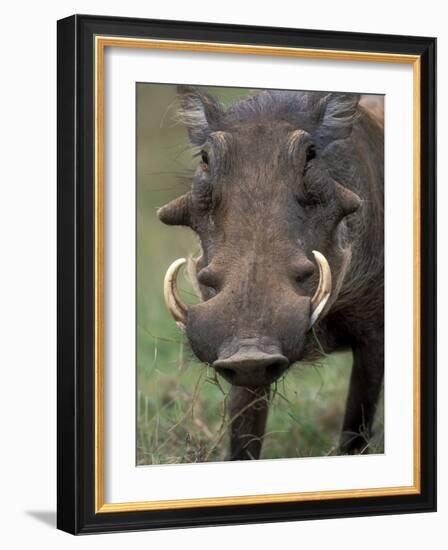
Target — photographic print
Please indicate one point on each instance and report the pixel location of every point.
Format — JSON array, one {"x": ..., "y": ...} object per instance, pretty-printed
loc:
[
  {"x": 246, "y": 274},
  {"x": 260, "y": 273}
]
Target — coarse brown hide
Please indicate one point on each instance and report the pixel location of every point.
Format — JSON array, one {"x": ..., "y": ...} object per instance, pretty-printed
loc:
[{"x": 282, "y": 174}]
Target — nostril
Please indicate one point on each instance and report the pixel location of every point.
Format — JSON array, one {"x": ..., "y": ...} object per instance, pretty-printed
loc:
[
  {"x": 275, "y": 370},
  {"x": 254, "y": 368}
]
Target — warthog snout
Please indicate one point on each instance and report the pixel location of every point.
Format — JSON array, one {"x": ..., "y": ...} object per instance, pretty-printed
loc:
[{"x": 250, "y": 366}]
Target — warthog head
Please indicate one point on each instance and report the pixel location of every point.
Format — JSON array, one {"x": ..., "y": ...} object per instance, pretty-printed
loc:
[{"x": 270, "y": 215}]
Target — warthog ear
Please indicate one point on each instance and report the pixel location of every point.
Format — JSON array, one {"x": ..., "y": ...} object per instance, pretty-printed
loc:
[
  {"x": 200, "y": 112},
  {"x": 339, "y": 111},
  {"x": 176, "y": 212},
  {"x": 348, "y": 200}
]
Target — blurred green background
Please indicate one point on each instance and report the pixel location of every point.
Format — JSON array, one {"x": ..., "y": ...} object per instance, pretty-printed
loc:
[{"x": 181, "y": 405}]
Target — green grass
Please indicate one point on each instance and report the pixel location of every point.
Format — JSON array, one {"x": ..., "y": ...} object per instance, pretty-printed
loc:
[{"x": 181, "y": 414}]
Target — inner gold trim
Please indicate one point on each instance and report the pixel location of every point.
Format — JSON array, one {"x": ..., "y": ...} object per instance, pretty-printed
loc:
[{"x": 101, "y": 42}]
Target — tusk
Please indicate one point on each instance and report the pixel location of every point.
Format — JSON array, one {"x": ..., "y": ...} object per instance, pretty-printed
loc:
[
  {"x": 320, "y": 298},
  {"x": 192, "y": 274},
  {"x": 172, "y": 299}
]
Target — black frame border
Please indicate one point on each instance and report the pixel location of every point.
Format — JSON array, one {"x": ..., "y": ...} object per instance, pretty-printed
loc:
[{"x": 75, "y": 272}]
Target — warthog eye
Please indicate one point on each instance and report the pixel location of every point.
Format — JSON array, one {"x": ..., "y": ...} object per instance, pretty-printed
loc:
[
  {"x": 310, "y": 153},
  {"x": 204, "y": 160}
]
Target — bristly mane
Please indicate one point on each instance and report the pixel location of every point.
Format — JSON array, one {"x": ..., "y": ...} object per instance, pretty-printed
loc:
[
  {"x": 320, "y": 113},
  {"x": 309, "y": 111},
  {"x": 303, "y": 108}
]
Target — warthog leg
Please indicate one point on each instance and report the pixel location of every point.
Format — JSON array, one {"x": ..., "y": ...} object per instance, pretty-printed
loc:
[
  {"x": 365, "y": 387},
  {"x": 248, "y": 412}
]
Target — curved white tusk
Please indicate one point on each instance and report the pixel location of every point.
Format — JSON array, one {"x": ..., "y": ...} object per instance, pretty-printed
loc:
[
  {"x": 192, "y": 274},
  {"x": 323, "y": 291},
  {"x": 172, "y": 299}
]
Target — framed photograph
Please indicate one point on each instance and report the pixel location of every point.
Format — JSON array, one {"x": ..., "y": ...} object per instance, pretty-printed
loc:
[{"x": 246, "y": 274}]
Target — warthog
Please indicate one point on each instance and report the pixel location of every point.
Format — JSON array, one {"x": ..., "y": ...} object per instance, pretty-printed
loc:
[{"x": 287, "y": 201}]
